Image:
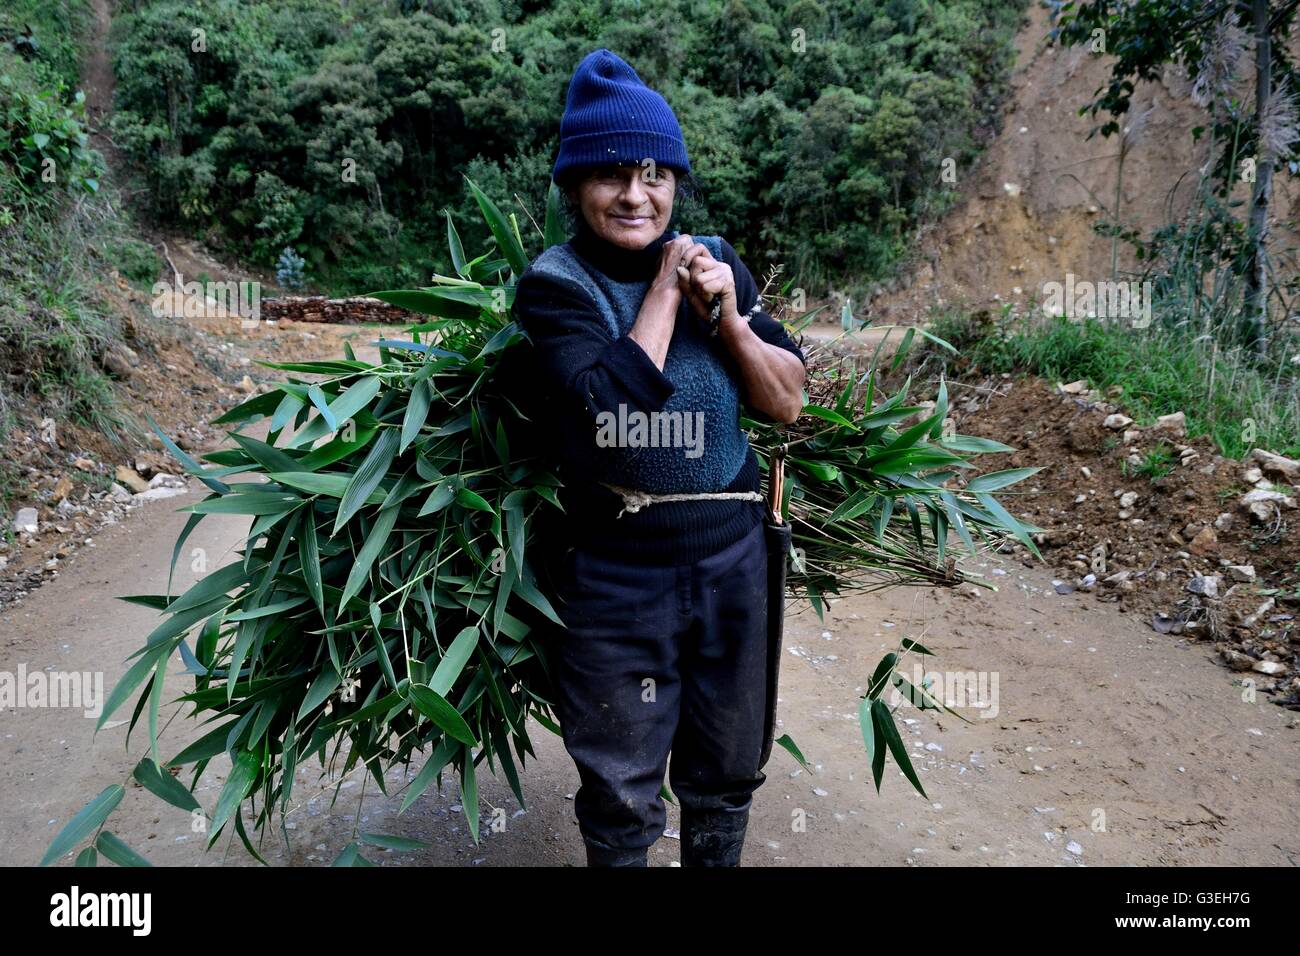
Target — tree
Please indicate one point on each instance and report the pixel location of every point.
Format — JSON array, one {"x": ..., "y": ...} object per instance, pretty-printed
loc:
[{"x": 1145, "y": 35}]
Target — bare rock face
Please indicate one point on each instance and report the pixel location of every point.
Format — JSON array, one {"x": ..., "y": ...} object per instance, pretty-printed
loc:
[
  {"x": 1242, "y": 573},
  {"x": 25, "y": 521},
  {"x": 1237, "y": 660},
  {"x": 1271, "y": 668},
  {"x": 1263, "y": 504}
]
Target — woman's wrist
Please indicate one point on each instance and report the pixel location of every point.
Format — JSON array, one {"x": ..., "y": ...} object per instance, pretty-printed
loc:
[
  {"x": 734, "y": 330},
  {"x": 735, "y": 326}
]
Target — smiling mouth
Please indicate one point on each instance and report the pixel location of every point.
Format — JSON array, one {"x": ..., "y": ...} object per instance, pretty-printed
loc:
[{"x": 631, "y": 220}]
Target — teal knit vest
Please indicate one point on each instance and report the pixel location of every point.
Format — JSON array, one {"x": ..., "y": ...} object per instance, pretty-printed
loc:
[{"x": 704, "y": 407}]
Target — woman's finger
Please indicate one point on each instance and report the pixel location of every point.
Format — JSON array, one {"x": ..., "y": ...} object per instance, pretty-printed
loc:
[
  {"x": 712, "y": 281},
  {"x": 697, "y": 303},
  {"x": 693, "y": 253}
]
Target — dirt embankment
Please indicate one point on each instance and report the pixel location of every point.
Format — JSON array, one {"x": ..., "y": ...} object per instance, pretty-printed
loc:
[
  {"x": 1025, "y": 214},
  {"x": 1159, "y": 525},
  {"x": 182, "y": 373}
]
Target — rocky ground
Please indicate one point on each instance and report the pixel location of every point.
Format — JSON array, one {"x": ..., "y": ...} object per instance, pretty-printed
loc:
[
  {"x": 181, "y": 372},
  {"x": 1151, "y": 521}
]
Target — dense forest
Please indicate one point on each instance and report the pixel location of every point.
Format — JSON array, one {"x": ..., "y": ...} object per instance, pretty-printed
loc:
[{"x": 817, "y": 130}]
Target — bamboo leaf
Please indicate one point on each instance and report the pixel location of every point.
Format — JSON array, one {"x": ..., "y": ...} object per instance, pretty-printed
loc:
[
  {"x": 969, "y": 444},
  {"x": 393, "y": 842},
  {"x": 896, "y": 746},
  {"x": 114, "y": 849},
  {"x": 553, "y": 229},
  {"x": 417, "y": 410},
  {"x": 322, "y": 404},
  {"x": 470, "y": 499},
  {"x": 89, "y": 819},
  {"x": 454, "y": 246},
  {"x": 786, "y": 742},
  {"x": 309, "y": 559},
  {"x": 439, "y": 759},
  {"x": 367, "y": 477},
  {"x": 1000, "y": 479},
  {"x": 375, "y": 543},
  {"x": 869, "y": 740},
  {"x": 436, "y": 707},
  {"x": 507, "y": 241},
  {"x": 239, "y": 784},
  {"x": 469, "y": 793},
  {"x": 454, "y": 661},
  {"x": 150, "y": 776}
]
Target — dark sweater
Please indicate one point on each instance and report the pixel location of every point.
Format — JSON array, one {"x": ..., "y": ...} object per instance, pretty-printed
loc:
[{"x": 577, "y": 302}]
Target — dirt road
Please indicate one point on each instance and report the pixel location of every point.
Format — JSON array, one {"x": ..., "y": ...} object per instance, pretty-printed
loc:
[{"x": 1110, "y": 744}]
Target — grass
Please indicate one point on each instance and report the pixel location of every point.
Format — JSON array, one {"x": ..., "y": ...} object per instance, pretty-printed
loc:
[
  {"x": 137, "y": 261},
  {"x": 1162, "y": 369},
  {"x": 56, "y": 247},
  {"x": 1156, "y": 463}
]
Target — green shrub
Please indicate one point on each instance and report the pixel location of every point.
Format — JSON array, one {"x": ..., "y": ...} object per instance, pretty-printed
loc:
[
  {"x": 1226, "y": 394},
  {"x": 45, "y": 140},
  {"x": 138, "y": 261}
]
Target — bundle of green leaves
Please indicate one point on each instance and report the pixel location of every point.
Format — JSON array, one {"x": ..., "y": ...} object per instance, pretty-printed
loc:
[{"x": 387, "y": 602}]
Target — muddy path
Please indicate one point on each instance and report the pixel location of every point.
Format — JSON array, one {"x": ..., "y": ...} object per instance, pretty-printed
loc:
[{"x": 1099, "y": 723}]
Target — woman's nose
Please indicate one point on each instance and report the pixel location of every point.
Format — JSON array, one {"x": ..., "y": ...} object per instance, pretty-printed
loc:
[{"x": 634, "y": 190}]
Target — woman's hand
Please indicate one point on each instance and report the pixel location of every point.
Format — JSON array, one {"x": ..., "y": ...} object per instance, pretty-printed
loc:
[
  {"x": 674, "y": 253},
  {"x": 653, "y": 329},
  {"x": 773, "y": 377},
  {"x": 703, "y": 277}
]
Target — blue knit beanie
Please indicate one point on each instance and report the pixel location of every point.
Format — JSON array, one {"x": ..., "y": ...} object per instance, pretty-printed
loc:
[{"x": 611, "y": 116}]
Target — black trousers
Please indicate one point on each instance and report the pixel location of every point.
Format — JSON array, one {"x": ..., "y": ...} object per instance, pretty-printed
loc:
[{"x": 657, "y": 659}]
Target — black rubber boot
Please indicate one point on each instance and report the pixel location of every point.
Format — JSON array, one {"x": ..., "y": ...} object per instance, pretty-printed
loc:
[
  {"x": 713, "y": 838},
  {"x": 599, "y": 856}
]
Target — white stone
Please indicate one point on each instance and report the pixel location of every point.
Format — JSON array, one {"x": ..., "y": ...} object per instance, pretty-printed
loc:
[
  {"x": 25, "y": 520},
  {"x": 1175, "y": 424},
  {"x": 162, "y": 491}
]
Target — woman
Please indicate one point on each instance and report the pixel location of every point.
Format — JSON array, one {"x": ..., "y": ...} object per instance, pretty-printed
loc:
[{"x": 664, "y": 599}]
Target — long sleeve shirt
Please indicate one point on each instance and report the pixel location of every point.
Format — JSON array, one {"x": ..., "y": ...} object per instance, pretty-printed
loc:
[{"x": 577, "y": 302}]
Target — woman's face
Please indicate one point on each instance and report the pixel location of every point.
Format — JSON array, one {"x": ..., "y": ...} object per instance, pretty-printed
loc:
[{"x": 629, "y": 206}]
